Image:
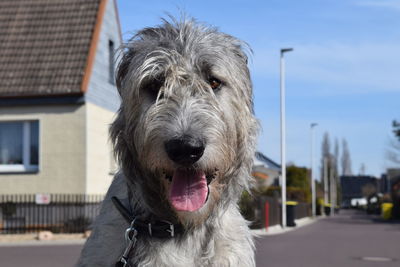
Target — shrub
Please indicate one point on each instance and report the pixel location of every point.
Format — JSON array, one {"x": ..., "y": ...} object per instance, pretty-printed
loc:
[
  {"x": 247, "y": 206},
  {"x": 77, "y": 225}
]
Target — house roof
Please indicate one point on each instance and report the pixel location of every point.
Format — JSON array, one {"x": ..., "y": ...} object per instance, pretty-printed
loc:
[
  {"x": 261, "y": 159},
  {"x": 45, "y": 45}
]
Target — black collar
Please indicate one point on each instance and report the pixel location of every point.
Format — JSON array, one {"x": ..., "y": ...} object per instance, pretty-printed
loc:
[{"x": 158, "y": 228}]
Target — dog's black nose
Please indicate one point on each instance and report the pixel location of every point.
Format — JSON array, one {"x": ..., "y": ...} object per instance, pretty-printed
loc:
[{"x": 185, "y": 150}]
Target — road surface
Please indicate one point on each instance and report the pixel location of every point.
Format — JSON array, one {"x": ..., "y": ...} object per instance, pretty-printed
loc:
[{"x": 349, "y": 239}]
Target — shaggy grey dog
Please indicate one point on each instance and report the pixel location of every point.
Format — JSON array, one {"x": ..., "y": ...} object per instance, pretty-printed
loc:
[{"x": 184, "y": 137}]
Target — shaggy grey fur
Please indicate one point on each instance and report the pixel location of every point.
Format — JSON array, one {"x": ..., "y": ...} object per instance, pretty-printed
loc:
[{"x": 164, "y": 81}]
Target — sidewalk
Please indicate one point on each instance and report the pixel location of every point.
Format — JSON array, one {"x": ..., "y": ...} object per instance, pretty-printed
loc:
[
  {"x": 9, "y": 240},
  {"x": 277, "y": 229}
]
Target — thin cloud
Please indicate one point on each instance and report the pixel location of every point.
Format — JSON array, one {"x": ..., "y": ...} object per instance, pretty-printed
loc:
[
  {"x": 392, "y": 4},
  {"x": 355, "y": 68}
]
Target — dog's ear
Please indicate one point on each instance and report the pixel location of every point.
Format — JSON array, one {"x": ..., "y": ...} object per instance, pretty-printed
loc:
[
  {"x": 124, "y": 152},
  {"x": 123, "y": 67},
  {"x": 117, "y": 129}
]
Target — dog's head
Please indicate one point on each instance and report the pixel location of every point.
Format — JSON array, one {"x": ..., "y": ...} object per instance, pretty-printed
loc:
[{"x": 185, "y": 132}]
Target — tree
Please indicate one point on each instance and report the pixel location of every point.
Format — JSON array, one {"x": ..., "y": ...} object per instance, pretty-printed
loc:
[
  {"x": 362, "y": 169},
  {"x": 326, "y": 159},
  {"x": 298, "y": 183},
  {"x": 328, "y": 167},
  {"x": 393, "y": 152},
  {"x": 297, "y": 177},
  {"x": 336, "y": 150},
  {"x": 326, "y": 145},
  {"x": 336, "y": 157},
  {"x": 396, "y": 129},
  {"x": 368, "y": 190},
  {"x": 345, "y": 159}
]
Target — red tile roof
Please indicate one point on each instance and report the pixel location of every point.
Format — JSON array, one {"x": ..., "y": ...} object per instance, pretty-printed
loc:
[{"x": 44, "y": 46}]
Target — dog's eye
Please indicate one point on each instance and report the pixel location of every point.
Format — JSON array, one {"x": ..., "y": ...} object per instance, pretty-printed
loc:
[
  {"x": 214, "y": 83},
  {"x": 154, "y": 86}
]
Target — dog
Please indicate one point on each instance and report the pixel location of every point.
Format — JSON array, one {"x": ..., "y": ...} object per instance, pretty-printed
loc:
[{"x": 184, "y": 137}]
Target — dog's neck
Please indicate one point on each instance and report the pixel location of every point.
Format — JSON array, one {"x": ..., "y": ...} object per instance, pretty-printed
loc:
[
  {"x": 137, "y": 204},
  {"x": 137, "y": 201}
]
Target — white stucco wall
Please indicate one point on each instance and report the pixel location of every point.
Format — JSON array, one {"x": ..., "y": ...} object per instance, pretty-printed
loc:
[
  {"x": 100, "y": 164},
  {"x": 62, "y": 157}
]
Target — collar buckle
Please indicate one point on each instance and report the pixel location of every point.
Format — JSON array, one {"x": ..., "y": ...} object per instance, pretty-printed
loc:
[{"x": 171, "y": 229}]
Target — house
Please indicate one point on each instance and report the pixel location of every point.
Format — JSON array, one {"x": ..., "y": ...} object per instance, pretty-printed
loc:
[
  {"x": 265, "y": 170},
  {"x": 57, "y": 95},
  {"x": 356, "y": 188}
]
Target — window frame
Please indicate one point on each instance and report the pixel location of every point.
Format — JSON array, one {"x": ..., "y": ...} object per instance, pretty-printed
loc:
[
  {"x": 26, "y": 167},
  {"x": 111, "y": 61}
]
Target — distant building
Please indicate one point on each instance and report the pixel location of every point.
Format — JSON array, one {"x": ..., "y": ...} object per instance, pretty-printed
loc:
[
  {"x": 57, "y": 95},
  {"x": 384, "y": 185},
  {"x": 265, "y": 170},
  {"x": 357, "y": 187}
]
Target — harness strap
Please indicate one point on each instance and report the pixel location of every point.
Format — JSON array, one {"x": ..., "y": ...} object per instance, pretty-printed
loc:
[{"x": 121, "y": 208}]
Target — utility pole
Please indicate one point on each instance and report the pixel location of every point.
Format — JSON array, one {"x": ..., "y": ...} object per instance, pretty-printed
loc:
[{"x": 283, "y": 135}]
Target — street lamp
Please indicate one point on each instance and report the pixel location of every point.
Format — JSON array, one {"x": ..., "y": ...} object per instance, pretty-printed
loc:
[
  {"x": 313, "y": 193},
  {"x": 283, "y": 136}
]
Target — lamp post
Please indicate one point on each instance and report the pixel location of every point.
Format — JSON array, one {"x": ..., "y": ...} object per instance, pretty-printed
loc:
[
  {"x": 313, "y": 193},
  {"x": 283, "y": 136}
]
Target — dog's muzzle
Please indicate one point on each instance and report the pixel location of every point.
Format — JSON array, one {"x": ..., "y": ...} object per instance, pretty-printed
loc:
[{"x": 188, "y": 187}]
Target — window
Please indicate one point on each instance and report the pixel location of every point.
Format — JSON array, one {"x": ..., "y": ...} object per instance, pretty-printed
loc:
[
  {"x": 19, "y": 146},
  {"x": 111, "y": 62}
]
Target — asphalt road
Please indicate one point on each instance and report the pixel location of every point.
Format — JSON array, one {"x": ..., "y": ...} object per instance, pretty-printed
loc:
[
  {"x": 39, "y": 256},
  {"x": 348, "y": 239},
  {"x": 343, "y": 240}
]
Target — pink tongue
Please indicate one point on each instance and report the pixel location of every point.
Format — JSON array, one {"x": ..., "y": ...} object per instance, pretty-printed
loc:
[{"x": 188, "y": 190}]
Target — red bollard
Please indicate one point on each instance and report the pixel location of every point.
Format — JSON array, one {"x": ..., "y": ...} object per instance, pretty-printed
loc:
[{"x": 266, "y": 215}]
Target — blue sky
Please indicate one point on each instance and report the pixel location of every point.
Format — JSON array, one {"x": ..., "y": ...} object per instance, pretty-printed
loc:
[{"x": 344, "y": 72}]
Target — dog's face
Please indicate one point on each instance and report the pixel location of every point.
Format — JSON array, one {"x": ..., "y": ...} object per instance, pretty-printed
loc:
[{"x": 186, "y": 120}]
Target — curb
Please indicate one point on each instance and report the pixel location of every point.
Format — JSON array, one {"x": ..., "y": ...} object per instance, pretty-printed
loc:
[{"x": 43, "y": 243}]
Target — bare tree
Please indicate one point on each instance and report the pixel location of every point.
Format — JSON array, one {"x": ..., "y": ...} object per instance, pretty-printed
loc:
[
  {"x": 345, "y": 159},
  {"x": 327, "y": 167},
  {"x": 368, "y": 190},
  {"x": 362, "y": 169},
  {"x": 336, "y": 157},
  {"x": 393, "y": 152},
  {"x": 396, "y": 129},
  {"x": 326, "y": 153}
]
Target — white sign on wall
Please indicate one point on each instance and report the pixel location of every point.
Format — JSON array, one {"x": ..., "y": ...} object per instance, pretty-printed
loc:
[{"x": 42, "y": 199}]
